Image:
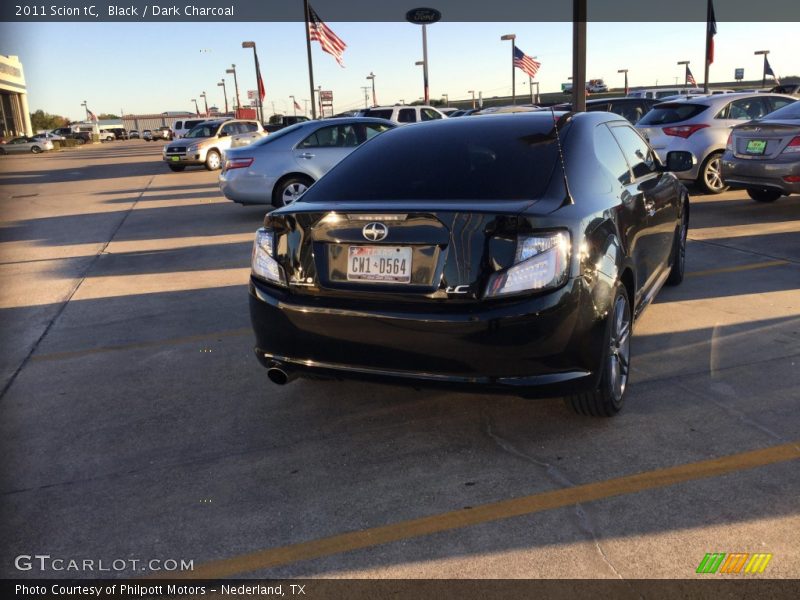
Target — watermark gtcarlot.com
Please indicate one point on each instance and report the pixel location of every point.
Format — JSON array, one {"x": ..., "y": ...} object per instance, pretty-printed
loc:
[{"x": 45, "y": 563}]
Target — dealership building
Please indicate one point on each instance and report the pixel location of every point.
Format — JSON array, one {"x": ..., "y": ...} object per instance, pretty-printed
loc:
[{"x": 15, "y": 118}]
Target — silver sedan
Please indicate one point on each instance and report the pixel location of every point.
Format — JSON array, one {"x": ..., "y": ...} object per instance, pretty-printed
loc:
[
  {"x": 26, "y": 144},
  {"x": 280, "y": 167}
]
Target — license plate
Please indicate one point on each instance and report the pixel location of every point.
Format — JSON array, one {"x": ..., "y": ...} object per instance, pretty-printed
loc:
[
  {"x": 175, "y": 158},
  {"x": 756, "y": 146},
  {"x": 390, "y": 264}
]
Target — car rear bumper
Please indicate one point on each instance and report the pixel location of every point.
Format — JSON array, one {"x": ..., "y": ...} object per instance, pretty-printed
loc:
[
  {"x": 246, "y": 187},
  {"x": 547, "y": 345},
  {"x": 749, "y": 173}
]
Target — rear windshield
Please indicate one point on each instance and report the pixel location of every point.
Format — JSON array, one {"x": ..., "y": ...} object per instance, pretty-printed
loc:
[
  {"x": 473, "y": 159},
  {"x": 379, "y": 113},
  {"x": 790, "y": 111},
  {"x": 663, "y": 114}
]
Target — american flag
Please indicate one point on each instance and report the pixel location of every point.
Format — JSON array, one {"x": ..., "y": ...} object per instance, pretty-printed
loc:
[
  {"x": 689, "y": 77},
  {"x": 525, "y": 62},
  {"x": 92, "y": 116},
  {"x": 329, "y": 41},
  {"x": 711, "y": 28},
  {"x": 768, "y": 70},
  {"x": 297, "y": 106},
  {"x": 262, "y": 91}
]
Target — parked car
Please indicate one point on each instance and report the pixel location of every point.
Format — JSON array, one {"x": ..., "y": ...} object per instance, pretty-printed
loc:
[
  {"x": 26, "y": 144},
  {"x": 162, "y": 133},
  {"x": 205, "y": 144},
  {"x": 183, "y": 126},
  {"x": 793, "y": 89},
  {"x": 596, "y": 86},
  {"x": 453, "y": 253},
  {"x": 632, "y": 109},
  {"x": 80, "y": 137},
  {"x": 701, "y": 126},
  {"x": 403, "y": 114},
  {"x": 133, "y": 134},
  {"x": 456, "y": 113},
  {"x": 659, "y": 93},
  {"x": 280, "y": 168},
  {"x": 49, "y": 135},
  {"x": 278, "y": 122},
  {"x": 120, "y": 133},
  {"x": 448, "y": 110},
  {"x": 763, "y": 156},
  {"x": 147, "y": 135}
]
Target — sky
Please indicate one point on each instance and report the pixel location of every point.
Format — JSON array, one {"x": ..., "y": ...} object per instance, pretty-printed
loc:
[{"x": 150, "y": 67}]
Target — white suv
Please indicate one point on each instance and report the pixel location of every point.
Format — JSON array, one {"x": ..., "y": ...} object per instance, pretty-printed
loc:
[
  {"x": 183, "y": 126},
  {"x": 207, "y": 142},
  {"x": 403, "y": 114}
]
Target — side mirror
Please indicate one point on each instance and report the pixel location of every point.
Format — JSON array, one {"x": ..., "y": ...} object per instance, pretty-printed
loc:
[{"x": 678, "y": 161}]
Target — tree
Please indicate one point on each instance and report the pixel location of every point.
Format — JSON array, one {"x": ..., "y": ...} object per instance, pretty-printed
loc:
[
  {"x": 104, "y": 116},
  {"x": 43, "y": 120}
]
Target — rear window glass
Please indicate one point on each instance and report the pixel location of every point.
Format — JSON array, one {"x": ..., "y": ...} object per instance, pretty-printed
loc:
[
  {"x": 379, "y": 113},
  {"x": 787, "y": 112},
  {"x": 487, "y": 160},
  {"x": 663, "y": 114}
]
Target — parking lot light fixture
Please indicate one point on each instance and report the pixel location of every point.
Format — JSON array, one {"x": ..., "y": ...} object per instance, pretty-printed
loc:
[
  {"x": 232, "y": 71},
  {"x": 259, "y": 106},
  {"x": 371, "y": 76},
  {"x": 224, "y": 93},
  {"x": 196, "y": 108},
  {"x": 473, "y": 97},
  {"x": 685, "y": 72},
  {"x": 626, "y": 79},
  {"x": 446, "y": 99},
  {"x": 511, "y": 37},
  {"x": 205, "y": 101}
]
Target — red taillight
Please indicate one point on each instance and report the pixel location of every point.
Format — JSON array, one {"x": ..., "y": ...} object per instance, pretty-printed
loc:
[
  {"x": 794, "y": 146},
  {"x": 792, "y": 179},
  {"x": 238, "y": 163},
  {"x": 683, "y": 131}
]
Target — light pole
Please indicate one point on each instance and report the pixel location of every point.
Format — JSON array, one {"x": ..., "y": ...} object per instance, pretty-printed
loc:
[
  {"x": 686, "y": 71},
  {"x": 511, "y": 37},
  {"x": 764, "y": 73},
  {"x": 473, "y": 97},
  {"x": 205, "y": 101},
  {"x": 294, "y": 105},
  {"x": 425, "y": 92},
  {"x": 626, "y": 79},
  {"x": 224, "y": 93},
  {"x": 86, "y": 107},
  {"x": 365, "y": 89},
  {"x": 305, "y": 106},
  {"x": 259, "y": 106},
  {"x": 446, "y": 99},
  {"x": 374, "y": 98},
  {"x": 232, "y": 70},
  {"x": 196, "y": 108}
]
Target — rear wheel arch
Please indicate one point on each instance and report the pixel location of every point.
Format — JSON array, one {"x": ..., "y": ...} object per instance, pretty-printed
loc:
[
  {"x": 278, "y": 187},
  {"x": 628, "y": 281}
]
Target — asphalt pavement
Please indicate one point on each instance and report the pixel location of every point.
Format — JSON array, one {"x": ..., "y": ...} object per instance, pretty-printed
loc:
[{"x": 135, "y": 422}]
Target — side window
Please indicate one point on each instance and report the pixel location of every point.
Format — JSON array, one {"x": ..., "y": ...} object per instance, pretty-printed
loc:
[
  {"x": 407, "y": 115},
  {"x": 635, "y": 150},
  {"x": 778, "y": 102},
  {"x": 429, "y": 115},
  {"x": 248, "y": 127},
  {"x": 746, "y": 109},
  {"x": 337, "y": 136},
  {"x": 230, "y": 129},
  {"x": 610, "y": 155},
  {"x": 374, "y": 129},
  {"x": 178, "y": 124}
]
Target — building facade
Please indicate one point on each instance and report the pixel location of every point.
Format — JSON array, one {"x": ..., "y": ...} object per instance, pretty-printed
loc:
[{"x": 15, "y": 117}]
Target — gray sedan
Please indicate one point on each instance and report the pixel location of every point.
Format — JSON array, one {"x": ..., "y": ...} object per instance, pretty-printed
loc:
[
  {"x": 26, "y": 144},
  {"x": 280, "y": 167},
  {"x": 763, "y": 156}
]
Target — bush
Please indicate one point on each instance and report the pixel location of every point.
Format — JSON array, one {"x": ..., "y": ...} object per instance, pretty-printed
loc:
[{"x": 58, "y": 144}]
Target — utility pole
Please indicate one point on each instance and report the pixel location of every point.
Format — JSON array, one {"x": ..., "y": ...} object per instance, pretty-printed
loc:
[
  {"x": 626, "y": 79},
  {"x": 685, "y": 72},
  {"x": 374, "y": 97},
  {"x": 224, "y": 93},
  {"x": 365, "y": 88},
  {"x": 579, "y": 16},
  {"x": 764, "y": 72},
  {"x": 511, "y": 37},
  {"x": 232, "y": 70},
  {"x": 473, "y": 97}
]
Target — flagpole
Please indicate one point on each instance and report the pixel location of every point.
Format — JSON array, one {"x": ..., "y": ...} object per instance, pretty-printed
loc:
[
  {"x": 310, "y": 63},
  {"x": 708, "y": 45}
]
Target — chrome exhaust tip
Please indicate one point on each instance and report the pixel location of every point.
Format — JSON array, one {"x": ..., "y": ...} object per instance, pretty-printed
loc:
[{"x": 279, "y": 375}]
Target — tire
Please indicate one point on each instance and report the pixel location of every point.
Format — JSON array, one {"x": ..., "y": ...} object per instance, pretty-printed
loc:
[
  {"x": 608, "y": 398},
  {"x": 764, "y": 195},
  {"x": 290, "y": 190},
  {"x": 176, "y": 168},
  {"x": 80, "y": 141},
  {"x": 710, "y": 177},
  {"x": 679, "y": 251},
  {"x": 213, "y": 160},
  {"x": 35, "y": 149}
]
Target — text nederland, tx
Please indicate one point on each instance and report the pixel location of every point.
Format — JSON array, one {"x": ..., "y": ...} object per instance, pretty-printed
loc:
[{"x": 157, "y": 590}]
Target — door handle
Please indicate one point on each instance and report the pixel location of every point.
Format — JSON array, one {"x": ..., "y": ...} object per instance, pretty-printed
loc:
[{"x": 306, "y": 155}]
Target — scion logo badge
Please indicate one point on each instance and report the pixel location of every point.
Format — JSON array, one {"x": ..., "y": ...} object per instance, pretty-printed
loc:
[
  {"x": 735, "y": 562},
  {"x": 375, "y": 232}
]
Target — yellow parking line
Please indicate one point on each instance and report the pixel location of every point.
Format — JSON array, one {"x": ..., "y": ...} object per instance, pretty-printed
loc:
[
  {"x": 737, "y": 268},
  {"x": 137, "y": 345},
  {"x": 526, "y": 505}
]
